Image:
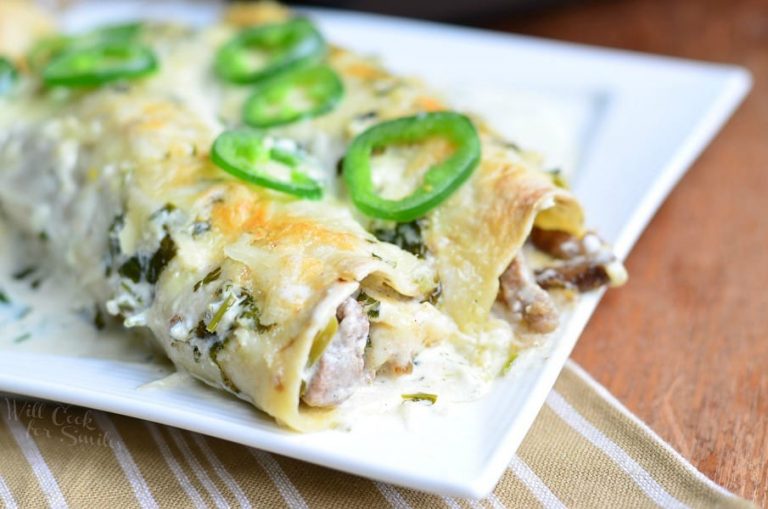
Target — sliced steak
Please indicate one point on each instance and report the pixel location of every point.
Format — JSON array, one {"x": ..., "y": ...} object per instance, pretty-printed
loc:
[
  {"x": 341, "y": 368},
  {"x": 531, "y": 306}
]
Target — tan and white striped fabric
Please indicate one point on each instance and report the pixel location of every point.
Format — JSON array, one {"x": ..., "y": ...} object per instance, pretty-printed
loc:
[{"x": 584, "y": 450}]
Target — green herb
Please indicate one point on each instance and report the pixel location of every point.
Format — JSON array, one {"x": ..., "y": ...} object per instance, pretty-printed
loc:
[
  {"x": 508, "y": 365},
  {"x": 511, "y": 145},
  {"x": 131, "y": 269},
  {"x": 209, "y": 278},
  {"x": 406, "y": 236},
  {"x": 23, "y": 273},
  {"x": 201, "y": 330},
  {"x": 162, "y": 211},
  {"x": 251, "y": 314},
  {"x": 214, "y": 323},
  {"x": 22, "y": 338},
  {"x": 436, "y": 294},
  {"x": 214, "y": 352},
  {"x": 371, "y": 306},
  {"x": 4, "y": 298},
  {"x": 558, "y": 178},
  {"x": 113, "y": 242},
  {"x": 98, "y": 319},
  {"x": 165, "y": 253},
  {"x": 421, "y": 396}
]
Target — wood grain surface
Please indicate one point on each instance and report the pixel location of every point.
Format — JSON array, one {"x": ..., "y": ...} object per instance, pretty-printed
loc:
[{"x": 684, "y": 345}]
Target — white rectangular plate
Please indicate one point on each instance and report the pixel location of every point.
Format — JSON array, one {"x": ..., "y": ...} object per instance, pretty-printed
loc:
[{"x": 625, "y": 125}]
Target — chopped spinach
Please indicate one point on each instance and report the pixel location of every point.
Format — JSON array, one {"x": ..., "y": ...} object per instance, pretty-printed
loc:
[
  {"x": 138, "y": 266},
  {"x": 368, "y": 115},
  {"x": 164, "y": 254},
  {"x": 214, "y": 352},
  {"x": 201, "y": 330},
  {"x": 132, "y": 269},
  {"x": 340, "y": 166},
  {"x": 113, "y": 242},
  {"x": 371, "y": 306},
  {"x": 98, "y": 319},
  {"x": 24, "y": 273},
  {"x": 511, "y": 145},
  {"x": 406, "y": 236},
  {"x": 250, "y": 315},
  {"x": 162, "y": 211}
]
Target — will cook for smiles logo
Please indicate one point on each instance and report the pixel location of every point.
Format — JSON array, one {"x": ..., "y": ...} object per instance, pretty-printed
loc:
[{"x": 68, "y": 425}]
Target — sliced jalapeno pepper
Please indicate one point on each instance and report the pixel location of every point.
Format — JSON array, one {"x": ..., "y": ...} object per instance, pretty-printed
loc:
[
  {"x": 258, "y": 159},
  {"x": 440, "y": 180},
  {"x": 100, "y": 64},
  {"x": 8, "y": 75},
  {"x": 48, "y": 48},
  {"x": 293, "y": 96},
  {"x": 264, "y": 51}
]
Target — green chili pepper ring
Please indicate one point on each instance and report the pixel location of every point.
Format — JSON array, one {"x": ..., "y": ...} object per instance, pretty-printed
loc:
[
  {"x": 100, "y": 64},
  {"x": 272, "y": 103},
  {"x": 241, "y": 152},
  {"x": 288, "y": 45},
  {"x": 49, "y": 48},
  {"x": 440, "y": 180}
]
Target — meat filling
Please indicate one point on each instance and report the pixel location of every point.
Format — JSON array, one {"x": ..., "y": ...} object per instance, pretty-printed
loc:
[
  {"x": 588, "y": 263},
  {"x": 531, "y": 306},
  {"x": 341, "y": 368}
]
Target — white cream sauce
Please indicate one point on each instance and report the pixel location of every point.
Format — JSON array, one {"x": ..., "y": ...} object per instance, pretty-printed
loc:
[{"x": 48, "y": 314}]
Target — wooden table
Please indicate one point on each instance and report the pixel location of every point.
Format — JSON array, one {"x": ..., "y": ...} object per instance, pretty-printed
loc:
[{"x": 685, "y": 344}]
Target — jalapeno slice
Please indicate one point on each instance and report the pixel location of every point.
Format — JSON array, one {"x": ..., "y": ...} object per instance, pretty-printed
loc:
[
  {"x": 8, "y": 75},
  {"x": 260, "y": 160},
  {"x": 48, "y": 48},
  {"x": 440, "y": 180},
  {"x": 264, "y": 51},
  {"x": 287, "y": 98},
  {"x": 100, "y": 64}
]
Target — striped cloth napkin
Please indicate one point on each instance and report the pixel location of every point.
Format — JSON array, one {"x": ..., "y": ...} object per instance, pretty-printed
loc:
[{"x": 584, "y": 450}]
